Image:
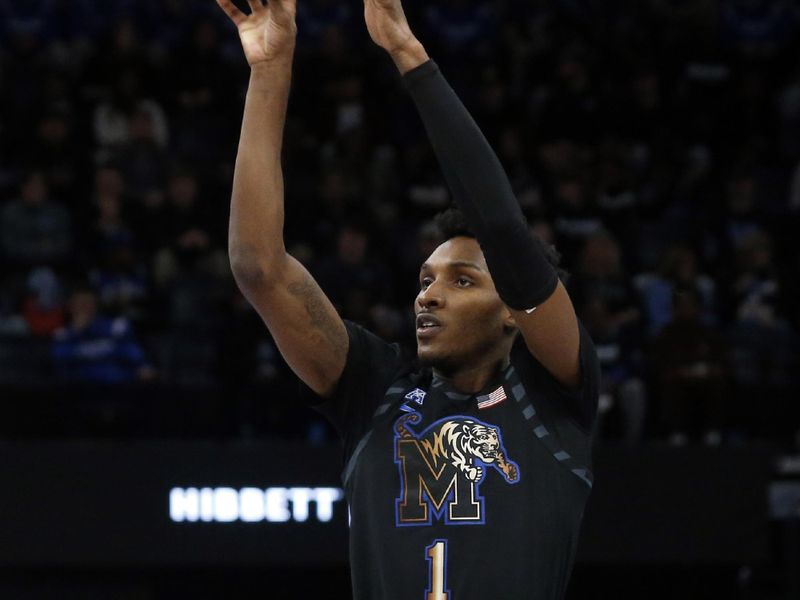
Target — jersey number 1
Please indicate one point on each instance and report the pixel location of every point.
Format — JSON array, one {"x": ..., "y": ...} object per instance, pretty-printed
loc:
[{"x": 436, "y": 555}]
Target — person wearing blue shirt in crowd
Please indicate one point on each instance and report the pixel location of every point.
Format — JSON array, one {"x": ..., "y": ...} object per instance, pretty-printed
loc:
[{"x": 96, "y": 348}]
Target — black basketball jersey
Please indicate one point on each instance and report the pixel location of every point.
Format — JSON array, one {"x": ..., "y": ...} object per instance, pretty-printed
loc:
[{"x": 455, "y": 496}]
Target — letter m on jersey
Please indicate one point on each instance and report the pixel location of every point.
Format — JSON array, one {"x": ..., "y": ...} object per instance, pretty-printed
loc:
[{"x": 440, "y": 474}]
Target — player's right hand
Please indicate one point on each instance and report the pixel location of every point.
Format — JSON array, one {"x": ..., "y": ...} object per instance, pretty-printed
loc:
[{"x": 268, "y": 33}]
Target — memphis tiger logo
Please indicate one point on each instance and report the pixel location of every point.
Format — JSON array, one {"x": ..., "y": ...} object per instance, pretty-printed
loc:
[{"x": 443, "y": 467}]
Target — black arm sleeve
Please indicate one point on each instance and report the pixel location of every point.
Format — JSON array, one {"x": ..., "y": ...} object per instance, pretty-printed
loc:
[{"x": 521, "y": 272}]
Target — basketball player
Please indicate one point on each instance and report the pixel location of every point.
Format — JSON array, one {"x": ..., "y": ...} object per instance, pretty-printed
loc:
[{"x": 467, "y": 471}]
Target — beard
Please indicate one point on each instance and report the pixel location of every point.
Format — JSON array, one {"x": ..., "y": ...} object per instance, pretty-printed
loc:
[
  {"x": 466, "y": 354},
  {"x": 440, "y": 361}
]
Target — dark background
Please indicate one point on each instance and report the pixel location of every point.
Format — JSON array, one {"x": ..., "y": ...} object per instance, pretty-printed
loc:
[{"x": 656, "y": 143}]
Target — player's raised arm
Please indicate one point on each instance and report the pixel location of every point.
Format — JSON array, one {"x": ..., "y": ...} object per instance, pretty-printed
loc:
[
  {"x": 524, "y": 279},
  {"x": 308, "y": 331}
]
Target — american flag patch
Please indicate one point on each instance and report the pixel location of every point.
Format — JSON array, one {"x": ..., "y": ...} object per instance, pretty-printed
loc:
[{"x": 496, "y": 397}]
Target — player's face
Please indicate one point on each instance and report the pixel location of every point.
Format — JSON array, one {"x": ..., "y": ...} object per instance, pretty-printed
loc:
[{"x": 461, "y": 321}]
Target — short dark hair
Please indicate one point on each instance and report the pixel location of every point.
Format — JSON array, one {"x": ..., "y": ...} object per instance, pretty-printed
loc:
[{"x": 452, "y": 223}]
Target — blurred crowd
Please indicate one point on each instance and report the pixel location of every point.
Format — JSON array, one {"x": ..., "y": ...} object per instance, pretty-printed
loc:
[{"x": 656, "y": 143}]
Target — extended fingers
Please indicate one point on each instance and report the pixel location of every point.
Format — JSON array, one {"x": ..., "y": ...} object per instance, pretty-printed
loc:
[
  {"x": 256, "y": 5},
  {"x": 234, "y": 13},
  {"x": 284, "y": 7}
]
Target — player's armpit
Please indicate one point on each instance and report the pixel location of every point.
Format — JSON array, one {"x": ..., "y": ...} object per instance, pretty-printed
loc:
[
  {"x": 308, "y": 331},
  {"x": 551, "y": 334}
]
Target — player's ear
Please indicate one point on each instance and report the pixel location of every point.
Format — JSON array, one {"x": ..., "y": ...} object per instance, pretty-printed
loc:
[{"x": 509, "y": 324}]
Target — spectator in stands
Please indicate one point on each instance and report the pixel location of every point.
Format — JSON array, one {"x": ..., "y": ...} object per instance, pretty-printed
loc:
[
  {"x": 572, "y": 108},
  {"x": 607, "y": 303},
  {"x": 112, "y": 252},
  {"x": 112, "y": 117},
  {"x": 461, "y": 27},
  {"x": 600, "y": 275},
  {"x": 617, "y": 198},
  {"x": 25, "y": 61},
  {"x": 759, "y": 28},
  {"x": 56, "y": 150},
  {"x": 122, "y": 60},
  {"x": 575, "y": 219},
  {"x": 200, "y": 94},
  {"x": 335, "y": 78},
  {"x": 426, "y": 193},
  {"x": 690, "y": 364},
  {"x": 35, "y": 229},
  {"x": 190, "y": 266},
  {"x": 110, "y": 224},
  {"x": 739, "y": 218},
  {"x": 94, "y": 348},
  {"x": 43, "y": 306},
  {"x": 353, "y": 280},
  {"x": 764, "y": 346},
  {"x": 756, "y": 291},
  {"x": 187, "y": 231},
  {"x": 511, "y": 151},
  {"x": 143, "y": 156},
  {"x": 13, "y": 289},
  {"x": 316, "y": 16},
  {"x": 678, "y": 268},
  {"x": 121, "y": 280},
  {"x": 132, "y": 129}
]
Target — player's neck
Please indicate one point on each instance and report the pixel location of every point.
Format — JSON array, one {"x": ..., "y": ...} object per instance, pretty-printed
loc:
[{"x": 473, "y": 378}]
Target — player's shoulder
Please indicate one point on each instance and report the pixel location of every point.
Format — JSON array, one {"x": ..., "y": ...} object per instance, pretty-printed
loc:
[
  {"x": 550, "y": 395},
  {"x": 373, "y": 361},
  {"x": 371, "y": 347}
]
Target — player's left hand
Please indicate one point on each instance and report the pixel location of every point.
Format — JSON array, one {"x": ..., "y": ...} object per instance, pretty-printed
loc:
[{"x": 387, "y": 25}]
